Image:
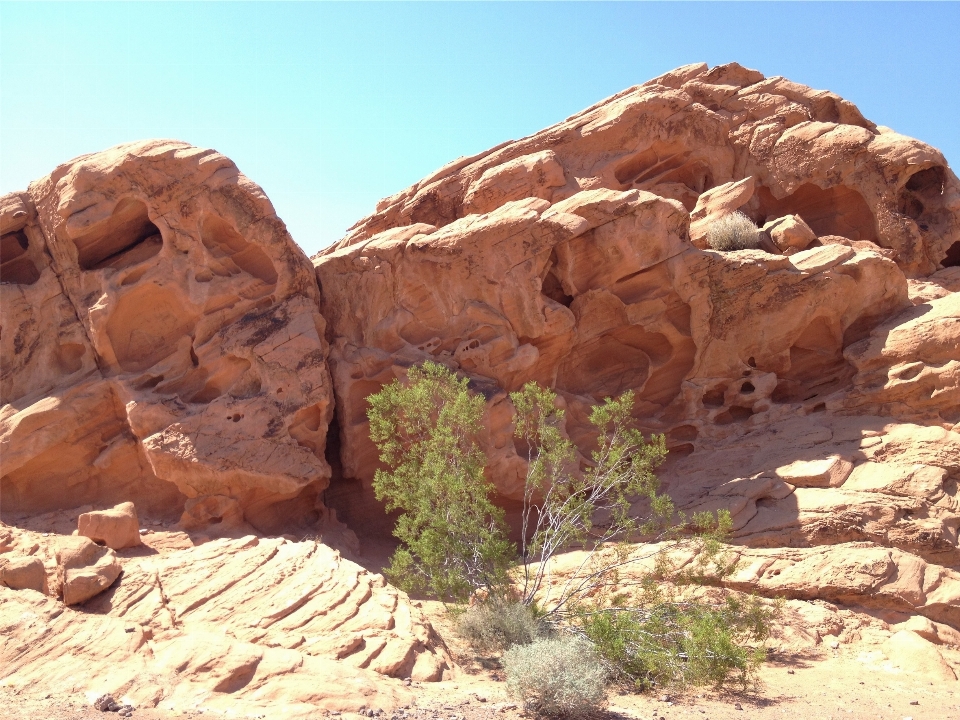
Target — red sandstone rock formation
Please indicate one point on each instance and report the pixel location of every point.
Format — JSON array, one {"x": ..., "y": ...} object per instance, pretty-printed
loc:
[
  {"x": 161, "y": 343},
  {"x": 814, "y": 394},
  {"x": 165, "y": 342}
]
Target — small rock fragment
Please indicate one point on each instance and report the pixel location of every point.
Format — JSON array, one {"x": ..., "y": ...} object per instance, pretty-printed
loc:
[{"x": 103, "y": 703}]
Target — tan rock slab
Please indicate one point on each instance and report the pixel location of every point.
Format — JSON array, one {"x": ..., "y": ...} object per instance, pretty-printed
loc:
[
  {"x": 116, "y": 528},
  {"x": 829, "y": 472},
  {"x": 820, "y": 259}
]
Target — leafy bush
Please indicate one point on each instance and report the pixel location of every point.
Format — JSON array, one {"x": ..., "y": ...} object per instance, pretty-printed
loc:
[
  {"x": 561, "y": 500},
  {"x": 497, "y": 625},
  {"x": 561, "y": 677},
  {"x": 453, "y": 539},
  {"x": 733, "y": 231},
  {"x": 674, "y": 643}
]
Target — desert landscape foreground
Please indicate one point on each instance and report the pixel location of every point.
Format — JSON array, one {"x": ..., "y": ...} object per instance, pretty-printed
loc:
[{"x": 188, "y": 520}]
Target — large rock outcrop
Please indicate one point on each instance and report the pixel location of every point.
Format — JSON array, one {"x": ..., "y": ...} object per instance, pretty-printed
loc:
[
  {"x": 567, "y": 258},
  {"x": 814, "y": 394},
  {"x": 165, "y": 342},
  {"x": 161, "y": 343}
]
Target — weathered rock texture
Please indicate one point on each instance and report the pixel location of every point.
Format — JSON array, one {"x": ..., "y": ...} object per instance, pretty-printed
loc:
[
  {"x": 244, "y": 625},
  {"x": 815, "y": 393},
  {"x": 164, "y": 342},
  {"x": 161, "y": 342}
]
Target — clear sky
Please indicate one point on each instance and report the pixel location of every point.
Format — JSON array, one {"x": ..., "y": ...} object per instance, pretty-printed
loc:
[{"x": 331, "y": 106}]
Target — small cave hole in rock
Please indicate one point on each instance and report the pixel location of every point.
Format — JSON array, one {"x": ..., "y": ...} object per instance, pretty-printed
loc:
[
  {"x": 747, "y": 388},
  {"x": 16, "y": 267},
  {"x": 232, "y": 253},
  {"x": 70, "y": 357},
  {"x": 911, "y": 207},
  {"x": 819, "y": 407},
  {"x": 681, "y": 451},
  {"x": 126, "y": 238},
  {"x": 236, "y": 417},
  {"x": 713, "y": 398},
  {"x": 838, "y": 210},
  {"x": 551, "y": 286},
  {"x": 148, "y": 382},
  {"x": 928, "y": 182},
  {"x": 683, "y": 433},
  {"x": 953, "y": 256},
  {"x": 735, "y": 413},
  {"x": 216, "y": 520},
  {"x": 752, "y": 362},
  {"x": 909, "y": 372}
]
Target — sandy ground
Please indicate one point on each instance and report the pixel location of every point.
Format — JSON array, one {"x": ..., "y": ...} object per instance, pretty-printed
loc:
[{"x": 825, "y": 688}]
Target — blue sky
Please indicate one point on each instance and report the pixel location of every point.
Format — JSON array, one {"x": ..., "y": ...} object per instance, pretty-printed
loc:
[{"x": 331, "y": 106}]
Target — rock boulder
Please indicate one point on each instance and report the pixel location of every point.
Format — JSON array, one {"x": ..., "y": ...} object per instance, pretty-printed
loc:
[
  {"x": 85, "y": 569},
  {"x": 116, "y": 528}
]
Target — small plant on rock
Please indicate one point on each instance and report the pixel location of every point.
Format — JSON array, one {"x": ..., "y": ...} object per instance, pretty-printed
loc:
[{"x": 733, "y": 231}]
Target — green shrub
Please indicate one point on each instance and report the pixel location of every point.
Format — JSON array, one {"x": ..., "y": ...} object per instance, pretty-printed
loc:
[
  {"x": 562, "y": 500},
  {"x": 454, "y": 545},
  {"x": 453, "y": 538},
  {"x": 683, "y": 643},
  {"x": 733, "y": 231},
  {"x": 559, "y": 677},
  {"x": 498, "y": 625}
]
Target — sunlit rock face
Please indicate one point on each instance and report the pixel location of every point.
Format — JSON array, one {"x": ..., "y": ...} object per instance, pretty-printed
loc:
[
  {"x": 161, "y": 343},
  {"x": 812, "y": 387},
  {"x": 165, "y": 342}
]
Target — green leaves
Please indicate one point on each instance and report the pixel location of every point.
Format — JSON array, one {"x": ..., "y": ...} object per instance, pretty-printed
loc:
[
  {"x": 567, "y": 506},
  {"x": 677, "y": 643},
  {"x": 453, "y": 537}
]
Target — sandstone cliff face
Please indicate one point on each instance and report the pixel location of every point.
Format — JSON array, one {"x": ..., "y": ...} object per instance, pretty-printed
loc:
[
  {"x": 575, "y": 258},
  {"x": 814, "y": 394},
  {"x": 161, "y": 343}
]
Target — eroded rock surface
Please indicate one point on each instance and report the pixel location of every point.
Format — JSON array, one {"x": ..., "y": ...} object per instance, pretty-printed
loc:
[
  {"x": 810, "y": 388},
  {"x": 166, "y": 343},
  {"x": 244, "y": 624},
  {"x": 161, "y": 342}
]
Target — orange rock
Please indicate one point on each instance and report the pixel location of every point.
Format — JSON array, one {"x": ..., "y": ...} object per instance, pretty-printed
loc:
[
  {"x": 85, "y": 569},
  {"x": 22, "y": 573},
  {"x": 168, "y": 344},
  {"x": 116, "y": 528},
  {"x": 813, "y": 393}
]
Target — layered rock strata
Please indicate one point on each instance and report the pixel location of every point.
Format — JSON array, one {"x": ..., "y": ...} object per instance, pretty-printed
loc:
[{"x": 246, "y": 625}]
